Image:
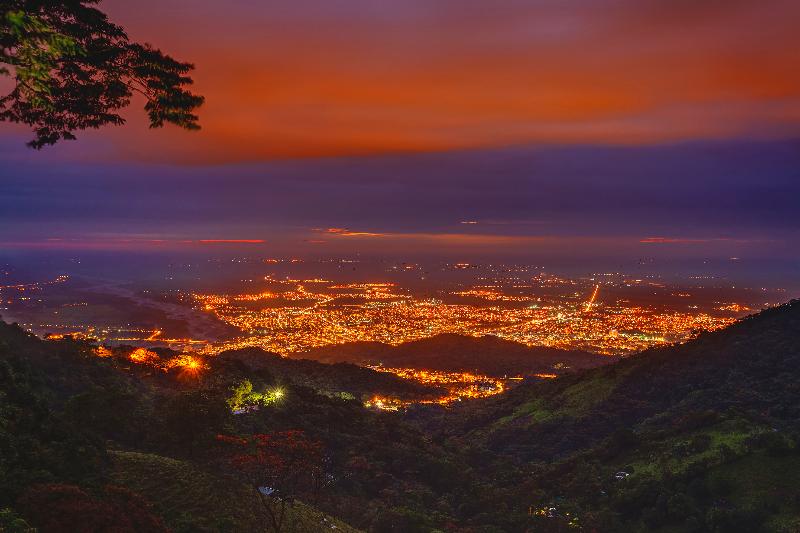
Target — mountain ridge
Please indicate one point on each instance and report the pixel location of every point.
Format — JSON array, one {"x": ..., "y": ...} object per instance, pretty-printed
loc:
[
  {"x": 454, "y": 352},
  {"x": 693, "y": 437},
  {"x": 616, "y": 445}
]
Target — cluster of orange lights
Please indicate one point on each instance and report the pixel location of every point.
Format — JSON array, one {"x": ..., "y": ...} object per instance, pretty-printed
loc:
[
  {"x": 459, "y": 386},
  {"x": 492, "y": 295},
  {"x": 70, "y": 334},
  {"x": 102, "y": 351},
  {"x": 144, "y": 356},
  {"x": 186, "y": 363},
  {"x": 382, "y": 312},
  {"x": 734, "y": 308}
]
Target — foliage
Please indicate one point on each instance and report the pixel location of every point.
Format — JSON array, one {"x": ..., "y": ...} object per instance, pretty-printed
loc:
[
  {"x": 55, "y": 508},
  {"x": 339, "y": 380},
  {"x": 36, "y": 444},
  {"x": 696, "y": 437},
  {"x": 190, "y": 420},
  {"x": 281, "y": 467},
  {"x": 654, "y": 442},
  {"x": 10, "y": 522},
  {"x": 192, "y": 499},
  {"x": 74, "y": 69},
  {"x": 243, "y": 397}
]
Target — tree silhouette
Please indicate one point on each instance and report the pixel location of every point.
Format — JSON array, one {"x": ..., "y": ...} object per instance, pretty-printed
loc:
[
  {"x": 281, "y": 467},
  {"x": 73, "y": 70}
]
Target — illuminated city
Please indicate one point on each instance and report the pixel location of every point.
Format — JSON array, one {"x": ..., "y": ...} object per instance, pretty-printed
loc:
[
  {"x": 292, "y": 306},
  {"x": 460, "y": 386},
  {"x": 296, "y": 315},
  {"x": 610, "y": 314}
]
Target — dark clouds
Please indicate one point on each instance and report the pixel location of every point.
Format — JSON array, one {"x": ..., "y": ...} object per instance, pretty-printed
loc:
[{"x": 736, "y": 190}]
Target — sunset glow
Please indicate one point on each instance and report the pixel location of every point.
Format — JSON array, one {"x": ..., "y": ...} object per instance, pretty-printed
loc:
[{"x": 467, "y": 75}]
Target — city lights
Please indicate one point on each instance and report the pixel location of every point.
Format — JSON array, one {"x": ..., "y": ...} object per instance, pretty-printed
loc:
[
  {"x": 383, "y": 312},
  {"x": 459, "y": 386}
]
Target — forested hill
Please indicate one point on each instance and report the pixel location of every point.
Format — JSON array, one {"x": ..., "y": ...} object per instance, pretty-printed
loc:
[
  {"x": 122, "y": 440},
  {"x": 453, "y": 353},
  {"x": 703, "y": 435},
  {"x": 689, "y": 438},
  {"x": 340, "y": 379}
]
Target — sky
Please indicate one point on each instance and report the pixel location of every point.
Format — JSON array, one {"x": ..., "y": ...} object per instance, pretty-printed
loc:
[{"x": 622, "y": 128}]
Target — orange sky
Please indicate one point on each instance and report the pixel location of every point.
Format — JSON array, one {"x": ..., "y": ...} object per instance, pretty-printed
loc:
[{"x": 336, "y": 77}]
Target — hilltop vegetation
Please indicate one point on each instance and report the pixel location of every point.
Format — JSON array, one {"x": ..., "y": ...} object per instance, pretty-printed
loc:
[
  {"x": 695, "y": 437},
  {"x": 487, "y": 355},
  {"x": 76, "y": 428},
  {"x": 345, "y": 380},
  {"x": 670, "y": 439}
]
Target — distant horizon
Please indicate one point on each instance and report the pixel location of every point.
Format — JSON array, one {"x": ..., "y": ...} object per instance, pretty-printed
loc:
[{"x": 684, "y": 202}]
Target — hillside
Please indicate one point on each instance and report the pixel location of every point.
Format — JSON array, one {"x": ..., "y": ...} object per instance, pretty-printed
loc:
[
  {"x": 344, "y": 379},
  {"x": 451, "y": 352},
  {"x": 702, "y": 436},
  {"x": 195, "y": 500},
  {"x": 82, "y": 436},
  {"x": 685, "y": 428}
]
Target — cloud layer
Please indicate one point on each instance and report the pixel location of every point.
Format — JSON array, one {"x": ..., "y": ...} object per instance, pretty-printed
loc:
[{"x": 322, "y": 77}]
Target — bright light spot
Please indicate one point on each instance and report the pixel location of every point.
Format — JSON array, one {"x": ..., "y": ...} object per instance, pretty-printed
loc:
[
  {"x": 187, "y": 362},
  {"x": 144, "y": 356},
  {"x": 102, "y": 351}
]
